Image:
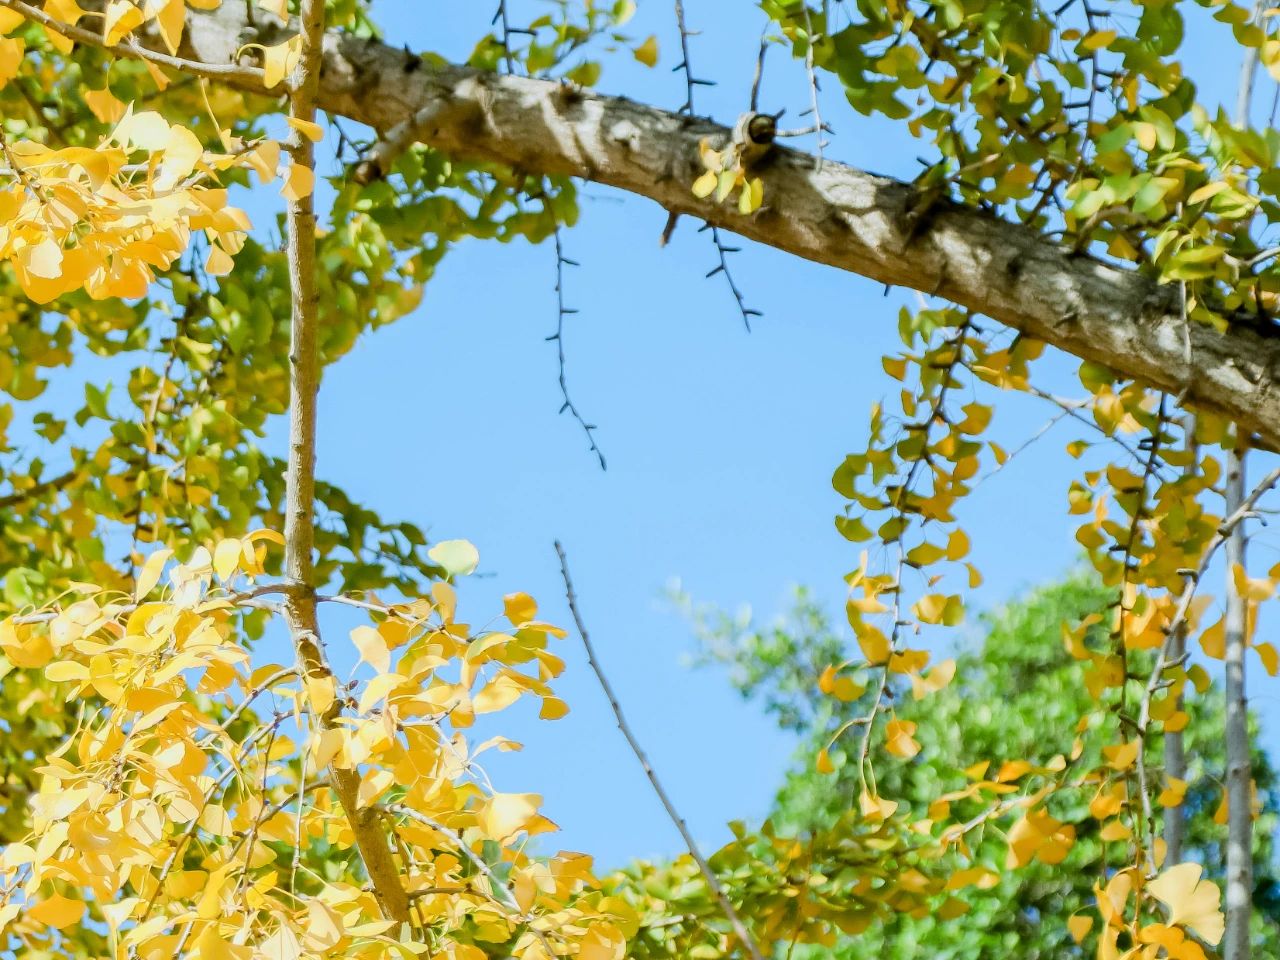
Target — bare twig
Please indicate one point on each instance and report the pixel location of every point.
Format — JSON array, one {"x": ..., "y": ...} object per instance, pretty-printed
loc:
[
  {"x": 561, "y": 312},
  {"x": 501, "y": 19},
  {"x": 758, "y": 79},
  {"x": 722, "y": 249},
  {"x": 708, "y": 874},
  {"x": 818, "y": 125},
  {"x": 690, "y": 81}
]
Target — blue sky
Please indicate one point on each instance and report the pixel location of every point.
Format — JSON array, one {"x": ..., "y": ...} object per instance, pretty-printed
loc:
[{"x": 720, "y": 445}]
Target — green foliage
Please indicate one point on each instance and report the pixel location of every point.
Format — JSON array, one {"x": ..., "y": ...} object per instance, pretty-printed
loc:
[{"x": 1017, "y": 694}]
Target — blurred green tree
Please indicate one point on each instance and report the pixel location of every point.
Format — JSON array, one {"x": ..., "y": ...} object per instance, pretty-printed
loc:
[{"x": 1017, "y": 693}]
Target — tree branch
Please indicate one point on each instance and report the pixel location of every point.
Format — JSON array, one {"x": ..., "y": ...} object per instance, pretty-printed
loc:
[
  {"x": 829, "y": 213},
  {"x": 39, "y": 489},
  {"x": 299, "y": 530},
  {"x": 739, "y": 928}
]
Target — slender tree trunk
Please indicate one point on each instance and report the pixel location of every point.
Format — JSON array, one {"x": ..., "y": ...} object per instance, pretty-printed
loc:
[
  {"x": 1239, "y": 900},
  {"x": 1175, "y": 757},
  {"x": 1239, "y": 786},
  {"x": 299, "y": 527}
]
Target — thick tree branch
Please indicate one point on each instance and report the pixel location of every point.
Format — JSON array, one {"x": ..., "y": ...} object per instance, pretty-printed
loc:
[{"x": 829, "y": 213}]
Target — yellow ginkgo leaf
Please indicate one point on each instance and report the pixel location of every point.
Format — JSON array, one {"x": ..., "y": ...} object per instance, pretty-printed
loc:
[
  {"x": 170, "y": 17},
  {"x": 372, "y": 647},
  {"x": 602, "y": 941},
  {"x": 1267, "y": 654},
  {"x": 226, "y": 558},
  {"x": 182, "y": 151},
  {"x": 120, "y": 19},
  {"x": 104, "y": 105},
  {"x": 57, "y": 911},
  {"x": 308, "y": 128},
  {"x": 1214, "y": 640},
  {"x": 64, "y": 670},
  {"x": 941, "y": 675},
  {"x": 519, "y": 608},
  {"x": 874, "y": 644},
  {"x": 1172, "y": 795},
  {"x": 899, "y": 738},
  {"x": 1120, "y": 756},
  {"x": 11, "y": 50},
  {"x": 705, "y": 184},
  {"x": 1193, "y": 902},
  {"x": 507, "y": 813},
  {"x": 824, "y": 764},
  {"x": 149, "y": 575},
  {"x": 647, "y": 52},
  {"x": 43, "y": 259},
  {"x": 1079, "y": 926},
  {"x": 278, "y": 61},
  {"x": 299, "y": 182},
  {"x": 219, "y": 262}
]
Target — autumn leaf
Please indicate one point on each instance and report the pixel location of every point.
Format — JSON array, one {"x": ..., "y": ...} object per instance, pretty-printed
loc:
[{"x": 1192, "y": 902}]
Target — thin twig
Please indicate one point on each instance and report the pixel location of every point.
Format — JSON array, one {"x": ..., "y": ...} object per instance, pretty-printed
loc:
[
  {"x": 500, "y": 18},
  {"x": 759, "y": 75},
  {"x": 690, "y": 81},
  {"x": 507, "y": 898},
  {"x": 561, "y": 312},
  {"x": 813, "y": 82},
  {"x": 708, "y": 874},
  {"x": 722, "y": 250}
]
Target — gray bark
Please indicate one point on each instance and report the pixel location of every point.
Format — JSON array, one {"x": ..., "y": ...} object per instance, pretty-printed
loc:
[{"x": 1239, "y": 897}]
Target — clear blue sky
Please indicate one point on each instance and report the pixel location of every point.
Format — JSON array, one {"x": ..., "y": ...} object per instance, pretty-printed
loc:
[{"x": 720, "y": 443}]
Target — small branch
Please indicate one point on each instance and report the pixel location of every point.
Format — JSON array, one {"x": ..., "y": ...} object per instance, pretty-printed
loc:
[
  {"x": 723, "y": 250},
  {"x": 818, "y": 125},
  {"x": 134, "y": 51},
  {"x": 1072, "y": 409},
  {"x": 378, "y": 160},
  {"x": 690, "y": 81},
  {"x": 44, "y": 486},
  {"x": 501, "y": 891},
  {"x": 708, "y": 874},
  {"x": 561, "y": 312},
  {"x": 759, "y": 75},
  {"x": 500, "y": 18}
]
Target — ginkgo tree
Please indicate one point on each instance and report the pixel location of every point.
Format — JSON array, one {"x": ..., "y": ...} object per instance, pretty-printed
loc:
[{"x": 209, "y": 799}]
